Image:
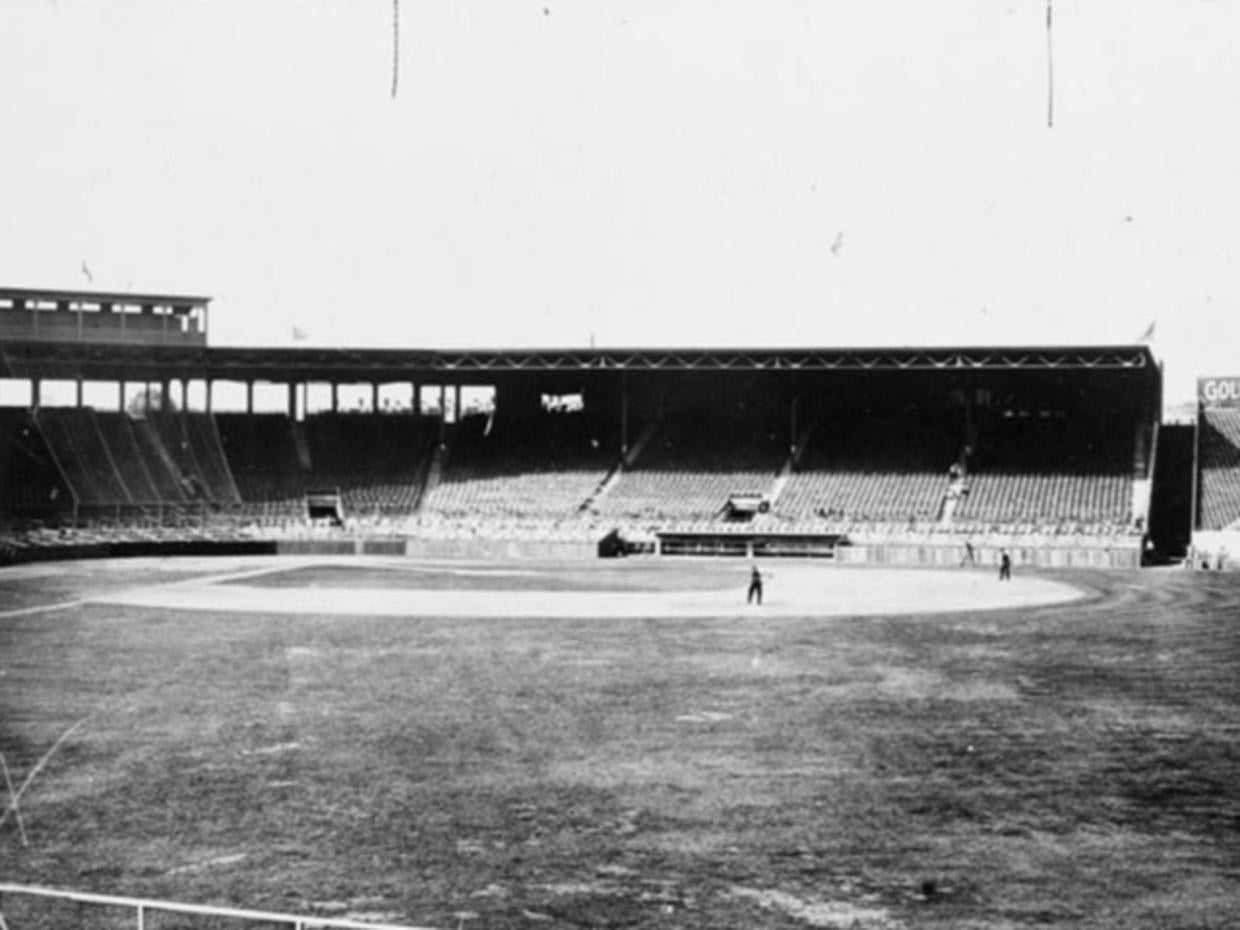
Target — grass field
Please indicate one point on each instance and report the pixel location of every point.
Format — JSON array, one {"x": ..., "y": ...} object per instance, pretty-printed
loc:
[{"x": 1061, "y": 766}]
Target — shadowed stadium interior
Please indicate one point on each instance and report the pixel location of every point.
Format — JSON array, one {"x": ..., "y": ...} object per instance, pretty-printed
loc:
[{"x": 886, "y": 453}]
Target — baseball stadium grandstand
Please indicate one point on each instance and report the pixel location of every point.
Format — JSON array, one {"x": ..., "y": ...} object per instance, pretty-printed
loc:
[
  {"x": 386, "y": 682},
  {"x": 868, "y": 455}
]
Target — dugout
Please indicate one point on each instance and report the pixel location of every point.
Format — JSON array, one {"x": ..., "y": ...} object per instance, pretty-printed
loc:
[{"x": 752, "y": 545}]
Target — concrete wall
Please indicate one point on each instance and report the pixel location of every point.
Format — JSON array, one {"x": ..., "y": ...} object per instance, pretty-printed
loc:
[
  {"x": 477, "y": 549},
  {"x": 929, "y": 555},
  {"x": 1038, "y": 556},
  {"x": 483, "y": 549}
]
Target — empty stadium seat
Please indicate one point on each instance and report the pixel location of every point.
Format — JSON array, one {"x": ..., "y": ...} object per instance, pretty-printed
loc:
[
  {"x": 1219, "y": 461},
  {"x": 544, "y": 466},
  {"x": 689, "y": 470}
]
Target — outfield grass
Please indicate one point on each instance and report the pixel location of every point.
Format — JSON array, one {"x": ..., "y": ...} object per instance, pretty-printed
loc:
[{"x": 1070, "y": 766}]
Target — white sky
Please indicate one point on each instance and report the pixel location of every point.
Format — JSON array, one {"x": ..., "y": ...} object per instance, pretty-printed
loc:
[{"x": 643, "y": 173}]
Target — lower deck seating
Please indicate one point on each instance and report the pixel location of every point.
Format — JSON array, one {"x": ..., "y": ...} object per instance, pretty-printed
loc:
[
  {"x": 688, "y": 471},
  {"x": 881, "y": 470},
  {"x": 1051, "y": 471},
  {"x": 118, "y": 435},
  {"x": 469, "y": 490},
  {"x": 1011, "y": 496},
  {"x": 213, "y": 472},
  {"x": 166, "y": 478},
  {"x": 377, "y": 462},
  {"x": 545, "y": 466},
  {"x": 687, "y": 493},
  {"x": 557, "y": 472},
  {"x": 865, "y": 495},
  {"x": 1219, "y": 458},
  {"x": 73, "y": 436},
  {"x": 29, "y": 478}
]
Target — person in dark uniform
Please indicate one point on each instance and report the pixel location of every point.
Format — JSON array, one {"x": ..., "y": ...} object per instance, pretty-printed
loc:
[
  {"x": 755, "y": 586},
  {"x": 1005, "y": 566}
]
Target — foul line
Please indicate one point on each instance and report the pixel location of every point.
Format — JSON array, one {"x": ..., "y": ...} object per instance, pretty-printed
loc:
[
  {"x": 38, "y": 767},
  {"x": 21, "y": 827},
  {"x": 45, "y": 608}
]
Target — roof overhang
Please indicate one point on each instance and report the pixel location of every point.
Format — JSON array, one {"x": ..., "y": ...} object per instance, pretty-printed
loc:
[
  {"x": 154, "y": 363},
  {"x": 127, "y": 298}
]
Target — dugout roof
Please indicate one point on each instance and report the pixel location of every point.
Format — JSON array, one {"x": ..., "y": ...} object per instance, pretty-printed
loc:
[{"x": 93, "y": 362}]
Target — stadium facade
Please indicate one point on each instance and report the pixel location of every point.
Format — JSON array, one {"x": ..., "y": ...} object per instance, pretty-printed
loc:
[{"x": 877, "y": 454}]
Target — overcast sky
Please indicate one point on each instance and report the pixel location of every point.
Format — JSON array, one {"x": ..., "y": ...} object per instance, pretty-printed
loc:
[{"x": 637, "y": 173}]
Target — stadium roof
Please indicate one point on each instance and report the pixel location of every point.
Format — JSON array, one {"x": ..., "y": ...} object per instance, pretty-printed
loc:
[
  {"x": 154, "y": 363},
  {"x": 103, "y": 297}
]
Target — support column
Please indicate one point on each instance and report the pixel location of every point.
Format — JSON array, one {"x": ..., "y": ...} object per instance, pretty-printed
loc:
[
  {"x": 624, "y": 416},
  {"x": 292, "y": 401},
  {"x": 417, "y": 399},
  {"x": 335, "y": 397},
  {"x": 146, "y": 397},
  {"x": 374, "y": 397},
  {"x": 185, "y": 393},
  {"x": 165, "y": 400},
  {"x": 249, "y": 397},
  {"x": 208, "y": 392},
  {"x": 443, "y": 403},
  {"x": 35, "y": 392},
  {"x": 792, "y": 427},
  {"x": 120, "y": 396},
  {"x": 969, "y": 398},
  {"x": 456, "y": 405},
  {"x": 79, "y": 392}
]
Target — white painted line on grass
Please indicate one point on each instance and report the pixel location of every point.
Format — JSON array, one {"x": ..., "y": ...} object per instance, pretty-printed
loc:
[
  {"x": 41, "y": 609},
  {"x": 38, "y": 767}
]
